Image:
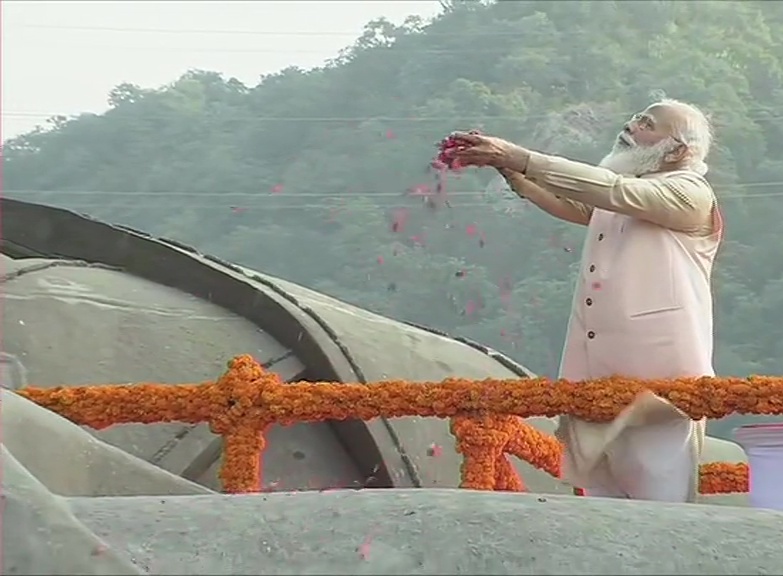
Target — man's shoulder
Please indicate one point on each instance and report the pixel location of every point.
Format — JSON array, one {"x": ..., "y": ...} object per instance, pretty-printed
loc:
[{"x": 689, "y": 175}]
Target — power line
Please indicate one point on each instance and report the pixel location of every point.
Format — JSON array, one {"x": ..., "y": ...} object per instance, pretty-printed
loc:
[
  {"x": 359, "y": 194},
  {"x": 363, "y": 195},
  {"x": 224, "y": 206},
  {"x": 334, "y": 209},
  {"x": 762, "y": 115}
]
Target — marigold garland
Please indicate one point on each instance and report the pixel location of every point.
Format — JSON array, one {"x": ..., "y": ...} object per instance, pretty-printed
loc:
[{"x": 485, "y": 414}]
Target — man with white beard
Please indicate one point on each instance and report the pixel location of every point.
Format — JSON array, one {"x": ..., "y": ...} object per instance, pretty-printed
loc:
[{"x": 643, "y": 304}]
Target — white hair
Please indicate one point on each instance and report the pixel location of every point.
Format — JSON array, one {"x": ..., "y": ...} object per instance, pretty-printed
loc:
[{"x": 693, "y": 129}]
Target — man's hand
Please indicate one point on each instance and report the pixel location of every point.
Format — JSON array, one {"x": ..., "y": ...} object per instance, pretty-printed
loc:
[
  {"x": 518, "y": 183},
  {"x": 513, "y": 178},
  {"x": 481, "y": 150}
]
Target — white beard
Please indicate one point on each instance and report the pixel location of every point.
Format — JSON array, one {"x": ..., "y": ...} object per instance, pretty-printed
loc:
[{"x": 637, "y": 160}]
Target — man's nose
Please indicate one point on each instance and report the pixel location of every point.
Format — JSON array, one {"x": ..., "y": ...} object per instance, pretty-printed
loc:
[{"x": 628, "y": 127}]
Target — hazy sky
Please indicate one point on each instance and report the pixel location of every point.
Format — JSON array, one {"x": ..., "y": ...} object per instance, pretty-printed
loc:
[{"x": 63, "y": 57}]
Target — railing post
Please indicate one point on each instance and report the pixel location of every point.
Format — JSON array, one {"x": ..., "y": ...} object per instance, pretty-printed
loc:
[
  {"x": 240, "y": 471},
  {"x": 238, "y": 392},
  {"x": 506, "y": 477},
  {"x": 481, "y": 442}
]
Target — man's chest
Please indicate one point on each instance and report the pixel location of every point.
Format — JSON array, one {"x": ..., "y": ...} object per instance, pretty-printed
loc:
[{"x": 627, "y": 268}]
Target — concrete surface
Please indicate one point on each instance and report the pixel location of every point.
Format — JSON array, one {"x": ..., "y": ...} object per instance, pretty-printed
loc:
[
  {"x": 392, "y": 531},
  {"x": 42, "y": 536},
  {"x": 437, "y": 531},
  {"x": 69, "y": 461}
]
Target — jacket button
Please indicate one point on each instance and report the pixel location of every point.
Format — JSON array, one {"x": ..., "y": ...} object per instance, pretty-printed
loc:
[
  {"x": 600, "y": 236},
  {"x": 592, "y": 267},
  {"x": 591, "y": 334},
  {"x": 589, "y": 301}
]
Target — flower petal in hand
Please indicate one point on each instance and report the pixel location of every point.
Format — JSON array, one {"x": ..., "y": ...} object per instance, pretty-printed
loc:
[{"x": 480, "y": 150}]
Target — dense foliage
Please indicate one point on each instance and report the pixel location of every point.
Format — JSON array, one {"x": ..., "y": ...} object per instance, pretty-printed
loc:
[{"x": 321, "y": 176}]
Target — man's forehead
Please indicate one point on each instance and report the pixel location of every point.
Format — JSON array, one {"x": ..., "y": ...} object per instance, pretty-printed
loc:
[{"x": 661, "y": 113}]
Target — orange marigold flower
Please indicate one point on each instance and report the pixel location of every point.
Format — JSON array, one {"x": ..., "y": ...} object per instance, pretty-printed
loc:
[{"x": 486, "y": 416}]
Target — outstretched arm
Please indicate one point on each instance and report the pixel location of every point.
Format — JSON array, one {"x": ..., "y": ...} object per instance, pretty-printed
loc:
[
  {"x": 563, "y": 208},
  {"x": 682, "y": 201}
]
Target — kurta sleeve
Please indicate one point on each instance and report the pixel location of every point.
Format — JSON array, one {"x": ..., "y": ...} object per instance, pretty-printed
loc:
[
  {"x": 564, "y": 208},
  {"x": 682, "y": 201},
  {"x": 585, "y": 210}
]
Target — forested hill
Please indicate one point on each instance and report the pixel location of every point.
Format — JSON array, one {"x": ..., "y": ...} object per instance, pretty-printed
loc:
[{"x": 321, "y": 176}]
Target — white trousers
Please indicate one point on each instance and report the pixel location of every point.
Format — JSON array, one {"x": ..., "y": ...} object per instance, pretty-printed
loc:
[
  {"x": 650, "y": 452},
  {"x": 649, "y": 463}
]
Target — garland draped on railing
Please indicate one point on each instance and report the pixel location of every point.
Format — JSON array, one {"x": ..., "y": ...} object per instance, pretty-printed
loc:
[{"x": 486, "y": 415}]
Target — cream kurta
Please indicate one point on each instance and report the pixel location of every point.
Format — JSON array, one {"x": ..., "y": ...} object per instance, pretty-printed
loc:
[{"x": 642, "y": 308}]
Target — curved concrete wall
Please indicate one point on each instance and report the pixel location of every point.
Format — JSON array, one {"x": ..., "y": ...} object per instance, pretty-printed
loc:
[
  {"x": 382, "y": 349},
  {"x": 68, "y": 323}
]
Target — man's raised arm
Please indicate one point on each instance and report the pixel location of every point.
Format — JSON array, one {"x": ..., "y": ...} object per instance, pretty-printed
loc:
[
  {"x": 682, "y": 201},
  {"x": 563, "y": 208}
]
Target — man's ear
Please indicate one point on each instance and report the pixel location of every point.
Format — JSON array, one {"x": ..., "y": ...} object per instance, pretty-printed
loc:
[{"x": 677, "y": 155}]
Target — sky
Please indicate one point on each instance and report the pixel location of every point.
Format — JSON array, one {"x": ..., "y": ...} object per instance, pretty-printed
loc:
[{"x": 64, "y": 57}]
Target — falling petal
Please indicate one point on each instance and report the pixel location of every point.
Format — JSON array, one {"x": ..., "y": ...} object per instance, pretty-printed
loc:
[
  {"x": 596, "y": 285},
  {"x": 99, "y": 549},
  {"x": 238, "y": 210},
  {"x": 471, "y": 230},
  {"x": 380, "y": 259},
  {"x": 470, "y": 308},
  {"x": 277, "y": 188},
  {"x": 399, "y": 219},
  {"x": 506, "y": 290},
  {"x": 434, "y": 450},
  {"x": 390, "y": 135},
  {"x": 364, "y": 547},
  {"x": 420, "y": 190}
]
